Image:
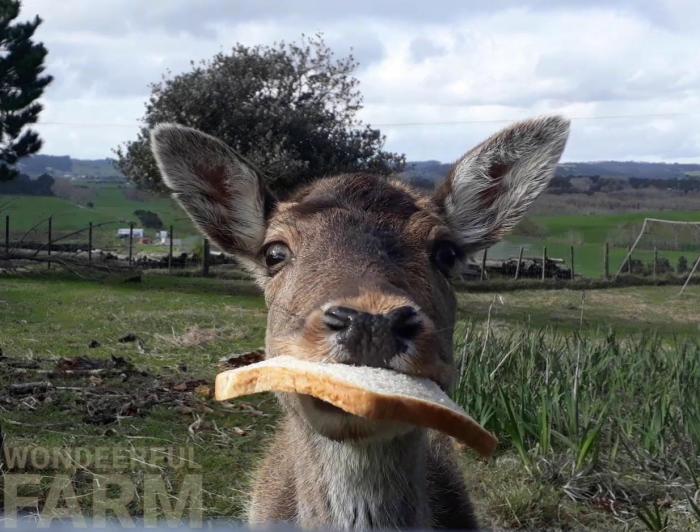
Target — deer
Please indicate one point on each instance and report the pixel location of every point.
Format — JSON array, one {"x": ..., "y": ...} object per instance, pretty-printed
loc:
[{"x": 357, "y": 269}]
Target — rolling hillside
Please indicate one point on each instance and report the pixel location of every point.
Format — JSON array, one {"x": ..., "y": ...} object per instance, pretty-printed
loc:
[
  {"x": 112, "y": 206},
  {"x": 432, "y": 171},
  {"x": 66, "y": 166},
  {"x": 588, "y": 235}
]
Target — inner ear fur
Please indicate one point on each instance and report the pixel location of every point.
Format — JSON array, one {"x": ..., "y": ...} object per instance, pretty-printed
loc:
[
  {"x": 223, "y": 195},
  {"x": 489, "y": 190}
]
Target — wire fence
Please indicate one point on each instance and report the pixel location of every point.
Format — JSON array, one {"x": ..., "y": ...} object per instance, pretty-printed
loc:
[
  {"x": 128, "y": 247},
  {"x": 124, "y": 249}
]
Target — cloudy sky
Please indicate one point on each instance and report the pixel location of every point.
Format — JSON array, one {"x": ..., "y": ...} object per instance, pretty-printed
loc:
[{"x": 437, "y": 76}]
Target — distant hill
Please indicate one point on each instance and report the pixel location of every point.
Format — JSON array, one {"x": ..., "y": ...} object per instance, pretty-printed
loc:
[
  {"x": 66, "y": 166},
  {"x": 426, "y": 173},
  {"x": 420, "y": 173},
  {"x": 629, "y": 169}
]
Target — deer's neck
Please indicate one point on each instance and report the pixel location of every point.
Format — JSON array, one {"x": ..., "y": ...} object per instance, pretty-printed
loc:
[{"x": 363, "y": 485}]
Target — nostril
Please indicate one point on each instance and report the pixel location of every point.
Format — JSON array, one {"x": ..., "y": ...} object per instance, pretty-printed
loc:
[
  {"x": 338, "y": 318},
  {"x": 405, "y": 322}
]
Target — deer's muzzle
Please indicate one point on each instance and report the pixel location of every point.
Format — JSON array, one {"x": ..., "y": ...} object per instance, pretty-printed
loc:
[{"x": 372, "y": 339}]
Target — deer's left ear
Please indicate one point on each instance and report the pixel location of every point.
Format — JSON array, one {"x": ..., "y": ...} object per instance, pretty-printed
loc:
[
  {"x": 225, "y": 198},
  {"x": 490, "y": 188}
]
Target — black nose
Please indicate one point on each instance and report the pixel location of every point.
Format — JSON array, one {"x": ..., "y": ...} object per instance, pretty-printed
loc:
[
  {"x": 339, "y": 318},
  {"x": 372, "y": 339},
  {"x": 404, "y": 323}
]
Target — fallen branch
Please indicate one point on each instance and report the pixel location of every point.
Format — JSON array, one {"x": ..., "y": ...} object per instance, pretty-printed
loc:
[{"x": 29, "y": 387}]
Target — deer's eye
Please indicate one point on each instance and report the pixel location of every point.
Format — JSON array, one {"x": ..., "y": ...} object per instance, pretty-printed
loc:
[
  {"x": 277, "y": 255},
  {"x": 445, "y": 255}
]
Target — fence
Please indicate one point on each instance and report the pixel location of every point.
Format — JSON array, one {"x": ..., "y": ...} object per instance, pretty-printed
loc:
[
  {"x": 41, "y": 243},
  {"x": 51, "y": 248},
  {"x": 544, "y": 268}
]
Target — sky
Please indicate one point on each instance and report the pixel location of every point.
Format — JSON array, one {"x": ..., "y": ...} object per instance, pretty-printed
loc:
[{"x": 437, "y": 77}]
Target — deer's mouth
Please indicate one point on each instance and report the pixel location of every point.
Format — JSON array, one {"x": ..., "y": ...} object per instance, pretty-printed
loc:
[
  {"x": 402, "y": 339},
  {"x": 336, "y": 424}
]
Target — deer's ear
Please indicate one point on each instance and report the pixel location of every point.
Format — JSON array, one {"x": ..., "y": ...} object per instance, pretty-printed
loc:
[
  {"x": 490, "y": 188},
  {"x": 225, "y": 198}
]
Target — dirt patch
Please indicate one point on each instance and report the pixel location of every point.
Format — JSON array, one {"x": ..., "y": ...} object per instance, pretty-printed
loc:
[{"x": 99, "y": 391}]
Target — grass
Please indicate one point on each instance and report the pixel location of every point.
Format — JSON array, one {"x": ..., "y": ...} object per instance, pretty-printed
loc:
[
  {"x": 588, "y": 234},
  {"x": 630, "y": 309},
  {"x": 110, "y": 204},
  {"x": 182, "y": 330},
  {"x": 596, "y": 420},
  {"x": 567, "y": 408},
  {"x": 598, "y": 228},
  {"x": 60, "y": 315}
]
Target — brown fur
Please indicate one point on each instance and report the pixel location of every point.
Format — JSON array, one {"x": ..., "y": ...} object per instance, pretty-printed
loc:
[
  {"x": 288, "y": 479},
  {"x": 367, "y": 241},
  {"x": 367, "y": 244}
]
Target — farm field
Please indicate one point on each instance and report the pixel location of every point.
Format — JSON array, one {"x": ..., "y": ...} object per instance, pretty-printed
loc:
[
  {"x": 649, "y": 308},
  {"x": 109, "y": 204},
  {"x": 552, "y": 469},
  {"x": 588, "y": 234}
]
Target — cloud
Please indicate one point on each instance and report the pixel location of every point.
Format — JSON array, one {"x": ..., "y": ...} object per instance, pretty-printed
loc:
[{"x": 449, "y": 61}]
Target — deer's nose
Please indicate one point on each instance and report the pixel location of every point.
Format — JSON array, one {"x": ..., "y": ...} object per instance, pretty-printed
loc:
[
  {"x": 339, "y": 318},
  {"x": 405, "y": 322},
  {"x": 402, "y": 323}
]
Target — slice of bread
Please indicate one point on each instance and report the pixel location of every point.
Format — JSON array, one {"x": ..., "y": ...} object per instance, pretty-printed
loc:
[{"x": 373, "y": 393}]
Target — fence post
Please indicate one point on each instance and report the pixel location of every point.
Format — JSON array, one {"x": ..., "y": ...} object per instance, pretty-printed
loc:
[
  {"x": 606, "y": 261},
  {"x": 49, "y": 243},
  {"x": 7, "y": 235},
  {"x": 170, "y": 251},
  {"x": 483, "y": 266},
  {"x": 520, "y": 261},
  {"x": 544, "y": 263},
  {"x": 656, "y": 261},
  {"x": 90, "y": 243},
  {"x": 131, "y": 241},
  {"x": 205, "y": 257},
  {"x": 573, "y": 271}
]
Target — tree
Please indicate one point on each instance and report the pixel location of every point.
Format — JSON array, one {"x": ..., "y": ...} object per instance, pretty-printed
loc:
[
  {"x": 21, "y": 84},
  {"x": 682, "y": 265},
  {"x": 26, "y": 186},
  {"x": 289, "y": 109}
]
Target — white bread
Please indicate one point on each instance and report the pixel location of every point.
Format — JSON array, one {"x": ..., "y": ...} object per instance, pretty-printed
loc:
[{"x": 373, "y": 393}]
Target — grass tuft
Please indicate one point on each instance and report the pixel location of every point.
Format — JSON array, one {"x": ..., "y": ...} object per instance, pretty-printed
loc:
[{"x": 591, "y": 415}]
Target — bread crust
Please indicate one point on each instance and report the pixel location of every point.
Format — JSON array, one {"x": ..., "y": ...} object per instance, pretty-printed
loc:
[{"x": 269, "y": 376}]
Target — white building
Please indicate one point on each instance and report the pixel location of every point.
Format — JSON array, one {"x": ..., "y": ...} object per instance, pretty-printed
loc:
[
  {"x": 164, "y": 239},
  {"x": 124, "y": 233}
]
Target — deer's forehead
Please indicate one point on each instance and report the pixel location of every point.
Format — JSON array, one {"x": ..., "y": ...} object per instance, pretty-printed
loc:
[{"x": 348, "y": 210}]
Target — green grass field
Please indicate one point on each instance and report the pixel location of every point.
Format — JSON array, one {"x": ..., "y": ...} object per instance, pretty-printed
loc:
[
  {"x": 109, "y": 205},
  {"x": 625, "y": 444},
  {"x": 588, "y": 234}
]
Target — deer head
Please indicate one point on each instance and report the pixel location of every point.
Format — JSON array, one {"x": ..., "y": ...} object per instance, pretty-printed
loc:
[{"x": 356, "y": 268}]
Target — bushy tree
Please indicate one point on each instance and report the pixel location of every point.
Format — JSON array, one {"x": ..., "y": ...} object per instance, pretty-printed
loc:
[
  {"x": 26, "y": 186},
  {"x": 21, "y": 85},
  {"x": 289, "y": 109},
  {"x": 149, "y": 219},
  {"x": 682, "y": 266}
]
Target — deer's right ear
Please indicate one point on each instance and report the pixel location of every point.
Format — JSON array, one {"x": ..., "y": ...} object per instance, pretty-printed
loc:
[
  {"x": 225, "y": 198},
  {"x": 489, "y": 189}
]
